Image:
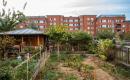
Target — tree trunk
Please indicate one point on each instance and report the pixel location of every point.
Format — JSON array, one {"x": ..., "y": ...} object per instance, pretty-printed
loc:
[
  {"x": 5, "y": 53},
  {"x": 72, "y": 49},
  {"x": 58, "y": 50}
]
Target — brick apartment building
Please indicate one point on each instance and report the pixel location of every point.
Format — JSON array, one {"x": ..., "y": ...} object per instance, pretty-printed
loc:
[{"x": 87, "y": 23}]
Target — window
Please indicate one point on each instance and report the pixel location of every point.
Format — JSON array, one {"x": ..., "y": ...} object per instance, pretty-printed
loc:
[
  {"x": 21, "y": 26},
  {"x": 76, "y": 24},
  {"x": 76, "y": 28},
  {"x": 92, "y": 19},
  {"x": 70, "y": 24},
  {"x": 70, "y": 20},
  {"x": 81, "y": 23},
  {"x": 50, "y": 19},
  {"x": 35, "y": 21},
  {"x": 123, "y": 30},
  {"x": 51, "y": 23},
  {"x": 41, "y": 21},
  {"x": 104, "y": 20},
  {"x": 71, "y": 29},
  {"x": 117, "y": 20},
  {"x": 123, "y": 26},
  {"x": 54, "y": 19},
  {"x": 104, "y": 26},
  {"x": 88, "y": 28},
  {"x": 88, "y": 19},
  {"x": 41, "y": 27},
  {"x": 65, "y": 20},
  {"x": 54, "y": 23},
  {"x": 76, "y": 20}
]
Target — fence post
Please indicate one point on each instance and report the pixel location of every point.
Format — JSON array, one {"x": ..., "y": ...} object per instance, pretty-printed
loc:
[
  {"x": 27, "y": 65},
  {"x": 128, "y": 55}
]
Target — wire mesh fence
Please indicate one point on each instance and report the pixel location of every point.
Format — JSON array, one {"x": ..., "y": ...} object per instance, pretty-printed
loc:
[{"x": 26, "y": 69}]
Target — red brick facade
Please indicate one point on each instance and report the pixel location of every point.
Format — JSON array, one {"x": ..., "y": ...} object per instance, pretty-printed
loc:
[{"x": 86, "y": 23}]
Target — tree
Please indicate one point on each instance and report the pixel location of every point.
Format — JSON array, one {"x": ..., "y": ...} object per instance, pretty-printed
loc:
[
  {"x": 5, "y": 43},
  {"x": 79, "y": 38},
  {"x": 10, "y": 18},
  {"x": 105, "y": 34},
  {"x": 32, "y": 25},
  {"x": 58, "y": 34}
]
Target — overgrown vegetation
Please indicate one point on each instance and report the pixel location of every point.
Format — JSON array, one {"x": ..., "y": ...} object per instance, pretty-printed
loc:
[
  {"x": 5, "y": 43},
  {"x": 105, "y": 34},
  {"x": 9, "y": 19},
  {"x": 72, "y": 61},
  {"x": 119, "y": 71},
  {"x": 104, "y": 47}
]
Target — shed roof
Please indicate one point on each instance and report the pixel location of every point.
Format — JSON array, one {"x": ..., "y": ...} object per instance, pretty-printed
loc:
[{"x": 23, "y": 32}]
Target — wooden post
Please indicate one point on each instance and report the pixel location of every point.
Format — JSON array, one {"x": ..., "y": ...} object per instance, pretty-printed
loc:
[
  {"x": 38, "y": 40},
  {"x": 27, "y": 66},
  {"x": 22, "y": 43},
  {"x": 128, "y": 55}
]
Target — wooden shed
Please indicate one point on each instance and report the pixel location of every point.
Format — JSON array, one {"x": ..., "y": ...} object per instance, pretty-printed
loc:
[{"x": 28, "y": 37}]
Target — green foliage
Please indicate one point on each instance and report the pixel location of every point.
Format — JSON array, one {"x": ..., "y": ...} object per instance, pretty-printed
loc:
[
  {"x": 6, "y": 68},
  {"x": 31, "y": 50},
  {"x": 117, "y": 70},
  {"x": 5, "y": 43},
  {"x": 86, "y": 68},
  {"x": 32, "y": 25},
  {"x": 80, "y": 38},
  {"x": 73, "y": 61},
  {"x": 52, "y": 75},
  {"x": 5, "y": 74},
  {"x": 126, "y": 36},
  {"x": 104, "y": 46},
  {"x": 105, "y": 34},
  {"x": 92, "y": 48},
  {"x": 9, "y": 19},
  {"x": 57, "y": 33},
  {"x": 71, "y": 77}
]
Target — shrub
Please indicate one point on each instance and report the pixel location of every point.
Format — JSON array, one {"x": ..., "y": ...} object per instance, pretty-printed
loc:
[
  {"x": 104, "y": 47},
  {"x": 105, "y": 34},
  {"x": 5, "y": 69}
]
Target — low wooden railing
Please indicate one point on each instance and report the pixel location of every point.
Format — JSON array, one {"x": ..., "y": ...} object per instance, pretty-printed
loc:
[{"x": 122, "y": 55}]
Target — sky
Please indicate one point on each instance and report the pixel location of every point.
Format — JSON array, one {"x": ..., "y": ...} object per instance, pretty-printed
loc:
[{"x": 71, "y": 7}]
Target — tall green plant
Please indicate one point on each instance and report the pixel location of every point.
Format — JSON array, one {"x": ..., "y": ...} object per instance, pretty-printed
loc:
[
  {"x": 57, "y": 34},
  {"x": 104, "y": 47},
  {"x": 79, "y": 38},
  {"x": 5, "y": 43},
  {"x": 105, "y": 34},
  {"x": 9, "y": 19}
]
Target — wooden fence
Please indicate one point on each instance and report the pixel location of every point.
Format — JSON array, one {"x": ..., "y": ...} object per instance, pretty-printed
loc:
[{"x": 122, "y": 55}]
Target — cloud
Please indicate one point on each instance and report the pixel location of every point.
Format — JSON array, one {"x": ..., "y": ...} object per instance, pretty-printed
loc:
[{"x": 72, "y": 7}]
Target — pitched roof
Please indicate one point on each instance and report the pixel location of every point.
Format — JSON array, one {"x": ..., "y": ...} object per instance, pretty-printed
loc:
[{"x": 23, "y": 32}]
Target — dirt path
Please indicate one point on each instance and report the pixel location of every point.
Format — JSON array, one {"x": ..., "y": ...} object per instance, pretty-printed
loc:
[
  {"x": 98, "y": 72},
  {"x": 68, "y": 70}
]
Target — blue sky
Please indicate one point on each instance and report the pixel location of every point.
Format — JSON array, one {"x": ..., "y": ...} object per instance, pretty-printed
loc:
[{"x": 72, "y": 7}]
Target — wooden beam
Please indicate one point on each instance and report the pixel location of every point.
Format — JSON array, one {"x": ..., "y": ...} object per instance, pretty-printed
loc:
[{"x": 38, "y": 40}]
